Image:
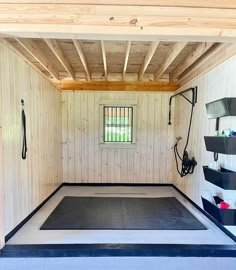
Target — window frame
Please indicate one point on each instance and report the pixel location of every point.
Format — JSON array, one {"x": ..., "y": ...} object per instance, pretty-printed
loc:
[{"x": 118, "y": 103}]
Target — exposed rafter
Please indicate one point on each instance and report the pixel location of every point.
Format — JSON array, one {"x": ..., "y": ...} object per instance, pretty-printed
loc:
[
  {"x": 190, "y": 59},
  {"x": 82, "y": 58},
  {"x": 148, "y": 58},
  {"x": 32, "y": 48},
  {"x": 217, "y": 54},
  {"x": 104, "y": 58},
  {"x": 175, "y": 51},
  {"x": 126, "y": 58},
  {"x": 60, "y": 55},
  {"x": 116, "y": 86}
]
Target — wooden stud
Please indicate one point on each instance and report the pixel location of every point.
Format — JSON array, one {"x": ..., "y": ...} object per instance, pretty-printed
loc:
[
  {"x": 190, "y": 59},
  {"x": 116, "y": 86},
  {"x": 31, "y": 47},
  {"x": 126, "y": 58},
  {"x": 174, "y": 52},
  {"x": 104, "y": 58},
  {"x": 148, "y": 58},
  {"x": 60, "y": 55},
  {"x": 80, "y": 52}
]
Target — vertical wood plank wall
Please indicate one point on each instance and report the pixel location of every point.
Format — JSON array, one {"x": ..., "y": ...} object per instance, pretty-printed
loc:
[
  {"x": 28, "y": 182},
  {"x": 218, "y": 83},
  {"x": 2, "y": 184},
  {"x": 84, "y": 161}
]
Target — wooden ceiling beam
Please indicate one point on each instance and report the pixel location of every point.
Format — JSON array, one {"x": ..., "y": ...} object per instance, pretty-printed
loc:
[
  {"x": 174, "y": 52},
  {"x": 217, "y": 54},
  {"x": 208, "y": 23},
  {"x": 127, "y": 51},
  {"x": 117, "y": 86},
  {"x": 198, "y": 51},
  {"x": 80, "y": 52},
  {"x": 60, "y": 55},
  {"x": 32, "y": 48},
  {"x": 151, "y": 50},
  {"x": 104, "y": 58}
]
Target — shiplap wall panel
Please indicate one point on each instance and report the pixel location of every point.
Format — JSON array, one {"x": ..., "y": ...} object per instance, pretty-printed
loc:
[
  {"x": 216, "y": 84},
  {"x": 85, "y": 161},
  {"x": 28, "y": 182}
]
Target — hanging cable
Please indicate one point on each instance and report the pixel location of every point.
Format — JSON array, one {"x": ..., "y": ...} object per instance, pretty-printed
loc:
[
  {"x": 187, "y": 164},
  {"x": 24, "y": 143}
]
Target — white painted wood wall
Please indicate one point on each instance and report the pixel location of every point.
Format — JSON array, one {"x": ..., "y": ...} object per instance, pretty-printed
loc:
[
  {"x": 28, "y": 182},
  {"x": 84, "y": 161},
  {"x": 218, "y": 83}
]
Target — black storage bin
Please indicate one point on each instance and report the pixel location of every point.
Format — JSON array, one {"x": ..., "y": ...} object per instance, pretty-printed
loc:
[
  {"x": 223, "y": 145},
  {"x": 225, "y": 179},
  {"x": 224, "y": 216},
  {"x": 222, "y": 107}
]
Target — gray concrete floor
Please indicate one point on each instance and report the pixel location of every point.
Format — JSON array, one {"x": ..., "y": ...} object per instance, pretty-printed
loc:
[
  {"x": 30, "y": 233},
  {"x": 124, "y": 263}
]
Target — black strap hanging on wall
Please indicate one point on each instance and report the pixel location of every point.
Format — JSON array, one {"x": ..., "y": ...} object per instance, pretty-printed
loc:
[
  {"x": 187, "y": 164},
  {"x": 24, "y": 143}
]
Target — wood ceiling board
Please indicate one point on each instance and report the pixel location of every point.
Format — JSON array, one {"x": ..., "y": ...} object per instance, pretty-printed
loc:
[
  {"x": 93, "y": 54},
  {"x": 115, "y": 53},
  {"x": 70, "y": 51},
  {"x": 159, "y": 56},
  {"x": 48, "y": 54},
  {"x": 28, "y": 56},
  {"x": 182, "y": 55},
  {"x": 137, "y": 55}
]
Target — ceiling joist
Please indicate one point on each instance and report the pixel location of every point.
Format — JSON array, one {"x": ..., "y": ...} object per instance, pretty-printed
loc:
[
  {"x": 126, "y": 58},
  {"x": 32, "y": 48},
  {"x": 148, "y": 58},
  {"x": 80, "y": 52},
  {"x": 60, "y": 55},
  {"x": 175, "y": 51},
  {"x": 104, "y": 58},
  {"x": 199, "y": 51}
]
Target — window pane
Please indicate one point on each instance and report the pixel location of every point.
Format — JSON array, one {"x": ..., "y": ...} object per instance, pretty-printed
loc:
[{"x": 118, "y": 124}]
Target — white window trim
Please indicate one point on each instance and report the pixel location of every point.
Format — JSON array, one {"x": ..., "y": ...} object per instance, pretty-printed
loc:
[{"x": 128, "y": 103}]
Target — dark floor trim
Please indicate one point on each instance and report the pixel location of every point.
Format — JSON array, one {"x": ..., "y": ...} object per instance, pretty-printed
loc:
[
  {"x": 22, "y": 223},
  {"x": 102, "y": 250},
  {"x": 220, "y": 226},
  {"x": 121, "y": 250},
  {"x": 116, "y": 184}
]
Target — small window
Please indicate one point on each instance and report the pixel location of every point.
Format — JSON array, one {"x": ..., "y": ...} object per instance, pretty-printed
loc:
[{"x": 118, "y": 124}]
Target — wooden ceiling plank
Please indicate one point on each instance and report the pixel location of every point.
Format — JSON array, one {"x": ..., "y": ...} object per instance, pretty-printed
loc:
[
  {"x": 104, "y": 58},
  {"x": 126, "y": 58},
  {"x": 60, "y": 55},
  {"x": 151, "y": 50},
  {"x": 117, "y": 86},
  {"x": 174, "y": 52},
  {"x": 80, "y": 52},
  {"x": 32, "y": 48},
  {"x": 198, "y": 51},
  {"x": 152, "y": 3}
]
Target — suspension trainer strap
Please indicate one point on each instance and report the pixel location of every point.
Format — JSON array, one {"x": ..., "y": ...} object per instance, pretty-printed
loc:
[{"x": 24, "y": 144}]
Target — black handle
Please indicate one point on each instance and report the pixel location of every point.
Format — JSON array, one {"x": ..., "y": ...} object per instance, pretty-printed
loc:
[{"x": 24, "y": 144}]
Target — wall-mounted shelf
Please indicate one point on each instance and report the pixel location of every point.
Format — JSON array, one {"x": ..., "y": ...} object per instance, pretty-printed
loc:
[
  {"x": 223, "y": 145},
  {"x": 222, "y": 107},
  {"x": 224, "y": 216},
  {"x": 225, "y": 179}
]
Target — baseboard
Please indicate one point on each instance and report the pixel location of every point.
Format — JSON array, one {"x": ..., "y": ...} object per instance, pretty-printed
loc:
[
  {"x": 22, "y": 223},
  {"x": 117, "y": 184}
]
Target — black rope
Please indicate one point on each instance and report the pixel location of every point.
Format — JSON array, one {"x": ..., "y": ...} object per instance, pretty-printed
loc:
[{"x": 24, "y": 144}]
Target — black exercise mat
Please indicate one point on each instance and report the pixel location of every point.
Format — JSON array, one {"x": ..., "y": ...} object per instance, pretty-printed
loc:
[{"x": 104, "y": 213}]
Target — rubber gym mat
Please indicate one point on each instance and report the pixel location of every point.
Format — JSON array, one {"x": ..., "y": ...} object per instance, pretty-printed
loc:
[{"x": 112, "y": 213}]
